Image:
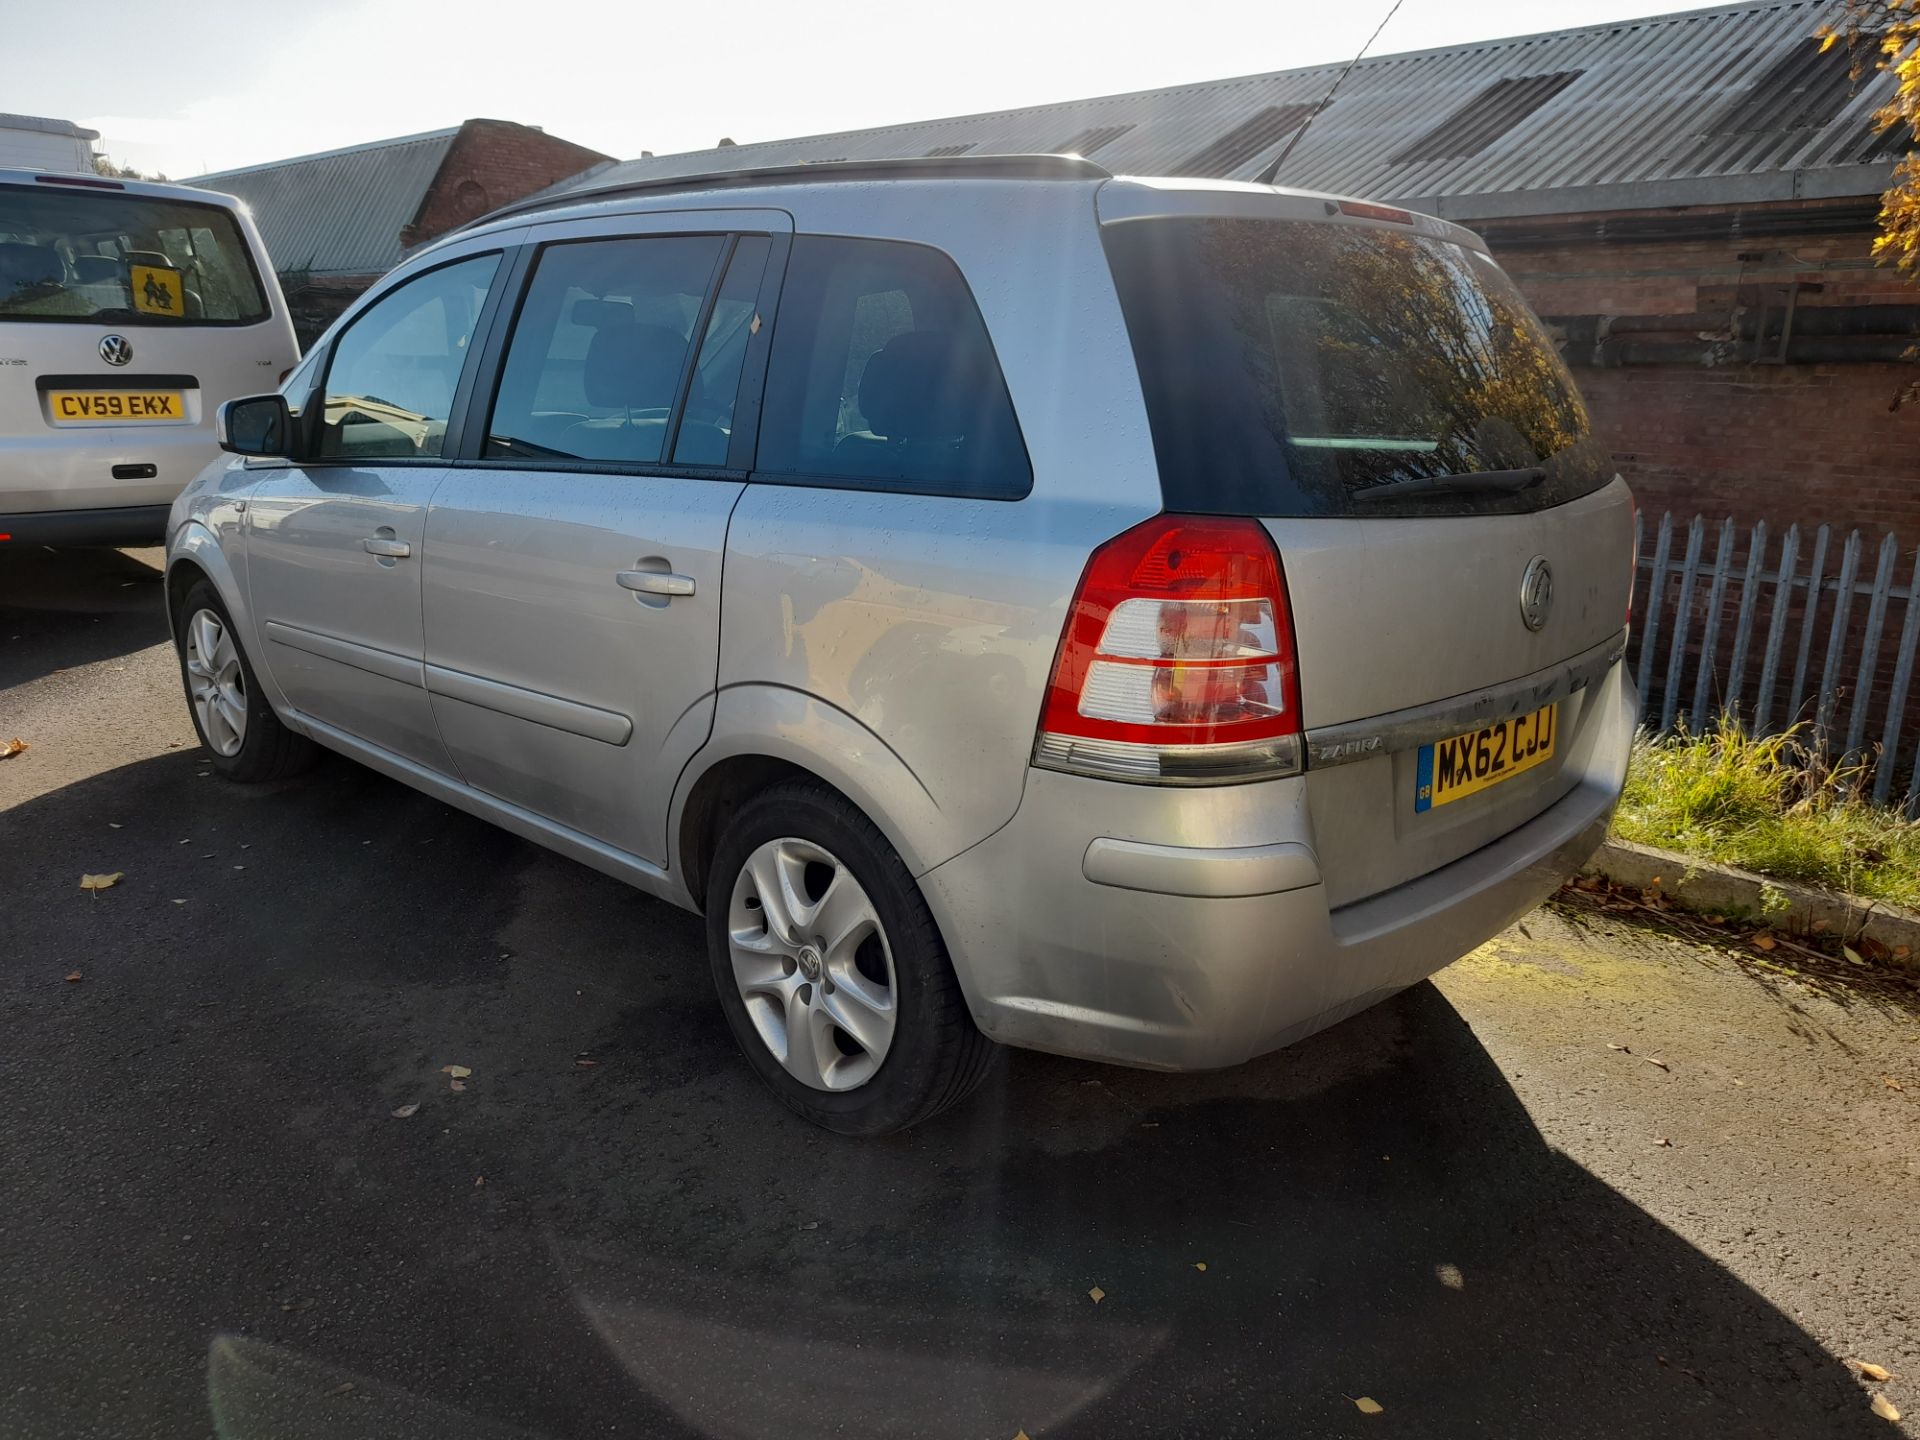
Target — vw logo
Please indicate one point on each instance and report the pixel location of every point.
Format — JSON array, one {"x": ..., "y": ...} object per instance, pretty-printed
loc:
[
  {"x": 1536, "y": 592},
  {"x": 116, "y": 349}
]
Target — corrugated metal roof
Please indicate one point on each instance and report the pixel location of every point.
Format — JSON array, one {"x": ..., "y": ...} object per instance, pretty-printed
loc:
[
  {"x": 1640, "y": 123},
  {"x": 339, "y": 212}
]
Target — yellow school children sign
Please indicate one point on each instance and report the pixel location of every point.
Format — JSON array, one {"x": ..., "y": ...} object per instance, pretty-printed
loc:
[{"x": 157, "y": 291}]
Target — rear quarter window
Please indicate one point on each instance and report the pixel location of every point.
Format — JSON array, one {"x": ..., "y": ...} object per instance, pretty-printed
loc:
[
  {"x": 882, "y": 376},
  {"x": 1297, "y": 369}
]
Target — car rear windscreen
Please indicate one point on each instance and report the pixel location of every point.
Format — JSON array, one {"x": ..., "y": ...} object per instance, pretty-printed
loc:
[
  {"x": 78, "y": 256},
  {"x": 1294, "y": 368}
]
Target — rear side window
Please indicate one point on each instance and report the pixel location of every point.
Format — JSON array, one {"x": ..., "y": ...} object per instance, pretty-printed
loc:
[
  {"x": 395, "y": 369},
  {"x": 1293, "y": 368},
  {"x": 91, "y": 257},
  {"x": 882, "y": 376},
  {"x": 600, "y": 349}
]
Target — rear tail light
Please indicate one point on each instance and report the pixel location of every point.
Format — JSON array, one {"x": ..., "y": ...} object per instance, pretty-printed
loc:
[{"x": 1177, "y": 666}]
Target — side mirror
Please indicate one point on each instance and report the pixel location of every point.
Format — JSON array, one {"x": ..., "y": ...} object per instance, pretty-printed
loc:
[{"x": 259, "y": 425}]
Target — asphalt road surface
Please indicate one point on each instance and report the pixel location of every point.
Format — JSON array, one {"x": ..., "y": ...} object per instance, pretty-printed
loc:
[{"x": 1457, "y": 1205}]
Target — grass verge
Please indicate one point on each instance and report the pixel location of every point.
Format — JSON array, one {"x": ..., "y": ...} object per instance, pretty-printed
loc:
[{"x": 1773, "y": 806}]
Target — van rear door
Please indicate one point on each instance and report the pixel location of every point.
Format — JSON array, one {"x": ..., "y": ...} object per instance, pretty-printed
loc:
[
  {"x": 1371, "y": 386},
  {"x": 128, "y": 313}
]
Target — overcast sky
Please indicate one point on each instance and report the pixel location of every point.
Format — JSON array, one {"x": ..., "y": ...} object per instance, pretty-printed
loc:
[{"x": 221, "y": 83}]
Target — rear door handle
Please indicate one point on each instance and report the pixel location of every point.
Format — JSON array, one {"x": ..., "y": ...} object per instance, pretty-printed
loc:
[
  {"x": 654, "y": 582},
  {"x": 380, "y": 545}
]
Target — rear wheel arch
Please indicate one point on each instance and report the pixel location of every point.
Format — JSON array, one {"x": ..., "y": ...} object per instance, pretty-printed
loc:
[{"x": 720, "y": 792}]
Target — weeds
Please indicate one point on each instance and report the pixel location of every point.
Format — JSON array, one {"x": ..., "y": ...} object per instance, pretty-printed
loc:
[{"x": 1775, "y": 805}]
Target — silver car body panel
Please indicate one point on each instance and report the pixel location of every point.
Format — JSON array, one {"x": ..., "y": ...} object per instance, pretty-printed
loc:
[{"x": 898, "y": 646}]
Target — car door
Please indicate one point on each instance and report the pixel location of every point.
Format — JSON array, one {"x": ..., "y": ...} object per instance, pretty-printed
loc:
[
  {"x": 334, "y": 543},
  {"x": 572, "y": 581}
]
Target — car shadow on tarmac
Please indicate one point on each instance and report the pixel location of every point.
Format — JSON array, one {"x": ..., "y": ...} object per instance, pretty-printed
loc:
[
  {"x": 60, "y": 609},
  {"x": 647, "y": 1244}
]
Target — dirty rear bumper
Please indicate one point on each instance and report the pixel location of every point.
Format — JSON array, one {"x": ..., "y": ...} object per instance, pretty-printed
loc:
[{"x": 1190, "y": 929}]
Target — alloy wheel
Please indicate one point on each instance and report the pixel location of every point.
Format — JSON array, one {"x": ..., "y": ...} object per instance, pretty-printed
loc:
[
  {"x": 216, "y": 682},
  {"x": 812, "y": 964}
]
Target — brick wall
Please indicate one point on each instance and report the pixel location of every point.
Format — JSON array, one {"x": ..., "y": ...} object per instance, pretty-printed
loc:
[
  {"x": 493, "y": 163},
  {"x": 1783, "y": 443}
]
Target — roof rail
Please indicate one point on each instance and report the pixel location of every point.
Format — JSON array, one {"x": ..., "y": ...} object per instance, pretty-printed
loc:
[{"x": 969, "y": 167}]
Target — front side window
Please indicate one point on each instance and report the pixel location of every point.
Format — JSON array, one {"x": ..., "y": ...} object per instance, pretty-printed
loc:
[
  {"x": 91, "y": 257},
  {"x": 389, "y": 391},
  {"x": 600, "y": 349},
  {"x": 882, "y": 375}
]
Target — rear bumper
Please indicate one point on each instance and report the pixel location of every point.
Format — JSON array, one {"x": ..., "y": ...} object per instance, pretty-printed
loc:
[
  {"x": 1191, "y": 930},
  {"x": 121, "y": 525}
]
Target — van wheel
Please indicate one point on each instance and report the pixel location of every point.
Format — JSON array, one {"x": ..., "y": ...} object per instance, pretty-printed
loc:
[
  {"x": 236, "y": 724},
  {"x": 831, "y": 970}
]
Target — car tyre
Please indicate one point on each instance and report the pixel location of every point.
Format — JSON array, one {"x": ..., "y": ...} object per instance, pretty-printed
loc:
[
  {"x": 244, "y": 738},
  {"x": 842, "y": 959}
]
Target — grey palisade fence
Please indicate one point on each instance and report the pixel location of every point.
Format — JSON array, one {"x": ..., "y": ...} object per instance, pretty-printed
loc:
[{"x": 1782, "y": 630}]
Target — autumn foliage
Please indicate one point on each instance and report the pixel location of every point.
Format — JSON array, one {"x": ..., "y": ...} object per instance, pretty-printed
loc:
[{"x": 1885, "y": 35}]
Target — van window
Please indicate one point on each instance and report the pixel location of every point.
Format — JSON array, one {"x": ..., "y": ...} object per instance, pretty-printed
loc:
[
  {"x": 389, "y": 389},
  {"x": 1292, "y": 367},
  {"x": 882, "y": 375},
  {"x": 600, "y": 348},
  {"x": 87, "y": 256}
]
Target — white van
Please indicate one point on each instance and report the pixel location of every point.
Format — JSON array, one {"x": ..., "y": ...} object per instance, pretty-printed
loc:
[{"x": 128, "y": 313}]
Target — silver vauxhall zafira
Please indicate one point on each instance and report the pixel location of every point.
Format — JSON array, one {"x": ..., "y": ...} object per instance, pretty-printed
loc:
[{"x": 1141, "y": 619}]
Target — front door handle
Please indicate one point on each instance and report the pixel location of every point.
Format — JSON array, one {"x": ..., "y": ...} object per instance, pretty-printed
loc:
[
  {"x": 655, "y": 582},
  {"x": 392, "y": 549}
]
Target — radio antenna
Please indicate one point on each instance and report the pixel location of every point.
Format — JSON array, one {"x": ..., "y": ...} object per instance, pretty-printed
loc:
[{"x": 1268, "y": 175}]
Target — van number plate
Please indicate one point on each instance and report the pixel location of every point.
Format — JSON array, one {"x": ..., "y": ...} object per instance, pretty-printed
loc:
[
  {"x": 1480, "y": 759},
  {"x": 115, "y": 407}
]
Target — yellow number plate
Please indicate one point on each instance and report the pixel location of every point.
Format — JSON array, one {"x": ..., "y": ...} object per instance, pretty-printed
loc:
[
  {"x": 1468, "y": 764},
  {"x": 115, "y": 407}
]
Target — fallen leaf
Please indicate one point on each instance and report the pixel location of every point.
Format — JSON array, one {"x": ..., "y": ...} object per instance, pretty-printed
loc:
[
  {"x": 1655, "y": 1060},
  {"x": 1819, "y": 925},
  {"x": 1852, "y": 954},
  {"x": 1622, "y": 1048},
  {"x": 404, "y": 1111},
  {"x": 457, "y": 1086},
  {"x": 1763, "y": 941},
  {"x": 478, "y": 1181},
  {"x": 1096, "y": 1294},
  {"x": 586, "y": 1064},
  {"x": 1664, "y": 1141},
  {"x": 345, "y": 1387},
  {"x": 1716, "y": 919},
  {"x": 1885, "y": 1408},
  {"x": 101, "y": 882},
  {"x": 1891, "y": 1083},
  {"x": 179, "y": 902},
  {"x": 73, "y": 978},
  {"x": 1874, "y": 1372},
  {"x": 1018, "y": 1434},
  {"x": 1367, "y": 1405},
  {"x": 11, "y": 748},
  {"x": 1200, "y": 1265},
  {"x": 1901, "y": 952},
  {"x": 458, "y": 1072},
  {"x": 115, "y": 825}
]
